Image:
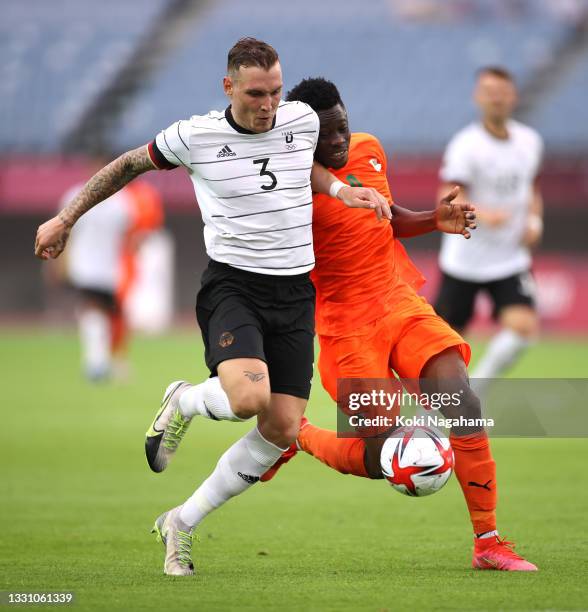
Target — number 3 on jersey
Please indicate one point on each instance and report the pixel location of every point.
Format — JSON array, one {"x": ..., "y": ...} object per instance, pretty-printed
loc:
[{"x": 264, "y": 172}]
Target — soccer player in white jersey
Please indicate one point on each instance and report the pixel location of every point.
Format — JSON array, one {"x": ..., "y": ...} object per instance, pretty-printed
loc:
[
  {"x": 252, "y": 167},
  {"x": 100, "y": 263},
  {"x": 496, "y": 162},
  {"x": 92, "y": 267}
]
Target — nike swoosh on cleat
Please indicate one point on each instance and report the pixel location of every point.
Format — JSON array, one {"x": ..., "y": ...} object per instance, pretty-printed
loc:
[
  {"x": 490, "y": 561},
  {"x": 152, "y": 433}
]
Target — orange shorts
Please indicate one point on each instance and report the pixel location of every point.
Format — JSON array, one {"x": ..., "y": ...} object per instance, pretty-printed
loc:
[{"x": 403, "y": 340}]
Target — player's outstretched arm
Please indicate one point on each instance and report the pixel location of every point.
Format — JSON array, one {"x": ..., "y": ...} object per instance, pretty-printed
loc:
[
  {"x": 409, "y": 223},
  {"x": 449, "y": 217},
  {"x": 53, "y": 234},
  {"x": 322, "y": 181}
]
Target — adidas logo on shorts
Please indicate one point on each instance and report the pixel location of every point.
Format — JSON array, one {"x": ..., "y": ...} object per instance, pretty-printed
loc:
[{"x": 226, "y": 152}]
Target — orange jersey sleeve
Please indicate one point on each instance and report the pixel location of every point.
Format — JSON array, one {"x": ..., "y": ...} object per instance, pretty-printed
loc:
[{"x": 358, "y": 261}]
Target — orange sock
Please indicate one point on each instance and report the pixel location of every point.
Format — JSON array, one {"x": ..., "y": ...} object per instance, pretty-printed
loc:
[
  {"x": 342, "y": 454},
  {"x": 476, "y": 471},
  {"x": 119, "y": 333}
]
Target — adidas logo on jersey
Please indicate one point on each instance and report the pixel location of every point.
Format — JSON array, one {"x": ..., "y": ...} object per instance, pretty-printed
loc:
[{"x": 226, "y": 152}]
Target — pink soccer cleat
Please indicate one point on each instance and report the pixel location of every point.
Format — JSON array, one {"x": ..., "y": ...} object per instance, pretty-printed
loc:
[{"x": 497, "y": 554}]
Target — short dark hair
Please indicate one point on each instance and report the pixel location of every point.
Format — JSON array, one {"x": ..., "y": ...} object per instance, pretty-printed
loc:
[
  {"x": 249, "y": 51},
  {"x": 497, "y": 71},
  {"x": 318, "y": 93}
]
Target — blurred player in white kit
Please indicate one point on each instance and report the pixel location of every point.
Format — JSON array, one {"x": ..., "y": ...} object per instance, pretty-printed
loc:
[
  {"x": 101, "y": 264},
  {"x": 496, "y": 162}
]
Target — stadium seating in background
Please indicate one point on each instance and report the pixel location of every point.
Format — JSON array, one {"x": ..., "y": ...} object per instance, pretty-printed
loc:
[
  {"x": 404, "y": 67},
  {"x": 408, "y": 80},
  {"x": 562, "y": 115},
  {"x": 55, "y": 57}
]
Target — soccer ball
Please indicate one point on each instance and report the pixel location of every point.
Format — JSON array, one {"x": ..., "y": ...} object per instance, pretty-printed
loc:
[{"x": 417, "y": 461}]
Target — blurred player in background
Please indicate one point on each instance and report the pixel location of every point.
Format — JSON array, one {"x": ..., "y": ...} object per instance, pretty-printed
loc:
[
  {"x": 495, "y": 162},
  {"x": 371, "y": 322},
  {"x": 252, "y": 166},
  {"x": 101, "y": 264}
]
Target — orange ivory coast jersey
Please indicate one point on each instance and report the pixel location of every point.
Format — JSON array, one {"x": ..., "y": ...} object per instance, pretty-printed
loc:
[
  {"x": 146, "y": 210},
  {"x": 359, "y": 264}
]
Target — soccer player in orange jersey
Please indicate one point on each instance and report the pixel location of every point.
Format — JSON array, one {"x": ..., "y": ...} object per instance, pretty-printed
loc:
[{"x": 371, "y": 322}]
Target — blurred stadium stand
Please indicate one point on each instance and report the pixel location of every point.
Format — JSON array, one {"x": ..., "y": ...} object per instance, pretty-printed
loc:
[
  {"x": 407, "y": 80},
  {"x": 80, "y": 75},
  {"x": 562, "y": 114},
  {"x": 404, "y": 68},
  {"x": 56, "y": 58}
]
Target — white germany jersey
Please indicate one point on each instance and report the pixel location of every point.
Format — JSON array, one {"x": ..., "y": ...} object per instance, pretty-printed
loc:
[
  {"x": 253, "y": 189},
  {"x": 499, "y": 175},
  {"x": 94, "y": 249}
]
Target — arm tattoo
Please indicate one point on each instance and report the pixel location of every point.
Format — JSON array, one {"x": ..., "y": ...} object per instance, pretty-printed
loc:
[
  {"x": 254, "y": 376},
  {"x": 107, "y": 181}
]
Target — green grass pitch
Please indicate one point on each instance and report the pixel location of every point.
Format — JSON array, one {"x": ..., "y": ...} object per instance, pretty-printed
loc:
[{"x": 78, "y": 502}]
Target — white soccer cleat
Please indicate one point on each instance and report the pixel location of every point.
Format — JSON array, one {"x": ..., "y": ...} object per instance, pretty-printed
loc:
[
  {"x": 168, "y": 428},
  {"x": 177, "y": 537}
]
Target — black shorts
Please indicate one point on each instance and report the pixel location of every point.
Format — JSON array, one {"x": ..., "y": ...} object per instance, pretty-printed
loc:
[
  {"x": 105, "y": 299},
  {"x": 244, "y": 314},
  {"x": 456, "y": 298}
]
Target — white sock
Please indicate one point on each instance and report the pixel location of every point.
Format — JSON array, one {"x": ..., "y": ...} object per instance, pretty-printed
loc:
[
  {"x": 208, "y": 400},
  {"x": 236, "y": 471},
  {"x": 94, "y": 330},
  {"x": 502, "y": 352},
  {"x": 488, "y": 534}
]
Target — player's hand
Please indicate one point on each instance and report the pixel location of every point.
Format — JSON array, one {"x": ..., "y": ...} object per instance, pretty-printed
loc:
[
  {"x": 366, "y": 197},
  {"x": 455, "y": 217},
  {"x": 51, "y": 238},
  {"x": 533, "y": 231}
]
